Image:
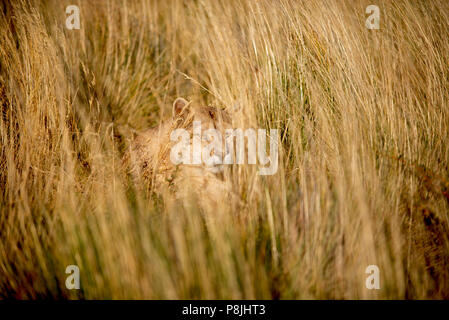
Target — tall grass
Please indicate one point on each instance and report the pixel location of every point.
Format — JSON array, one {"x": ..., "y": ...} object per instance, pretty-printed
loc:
[{"x": 363, "y": 177}]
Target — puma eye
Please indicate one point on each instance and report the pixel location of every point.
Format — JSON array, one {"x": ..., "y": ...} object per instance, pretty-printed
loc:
[{"x": 212, "y": 115}]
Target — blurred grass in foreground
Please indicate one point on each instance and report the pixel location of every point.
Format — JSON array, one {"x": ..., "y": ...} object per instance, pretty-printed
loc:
[{"x": 363, "y": 178}]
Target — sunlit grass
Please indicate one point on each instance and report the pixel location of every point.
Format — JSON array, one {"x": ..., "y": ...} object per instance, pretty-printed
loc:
[{"x": 363, "y": 177}]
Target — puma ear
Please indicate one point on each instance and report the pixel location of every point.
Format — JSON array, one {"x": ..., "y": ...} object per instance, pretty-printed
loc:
[{"x": 179, "y": 105}]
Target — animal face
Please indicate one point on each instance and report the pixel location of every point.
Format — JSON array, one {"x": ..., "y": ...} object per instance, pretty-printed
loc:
[{"x": 207, "y": 127}]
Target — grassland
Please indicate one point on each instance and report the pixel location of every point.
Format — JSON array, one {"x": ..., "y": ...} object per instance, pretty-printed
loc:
[{"x": 363, "y": 177}]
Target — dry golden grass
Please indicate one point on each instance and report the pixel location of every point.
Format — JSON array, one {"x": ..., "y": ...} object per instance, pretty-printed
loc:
[{"x": 363, "y": 179}]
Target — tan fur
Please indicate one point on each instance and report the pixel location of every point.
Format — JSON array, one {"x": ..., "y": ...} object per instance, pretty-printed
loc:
[{"x": 148, "y": 157}]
